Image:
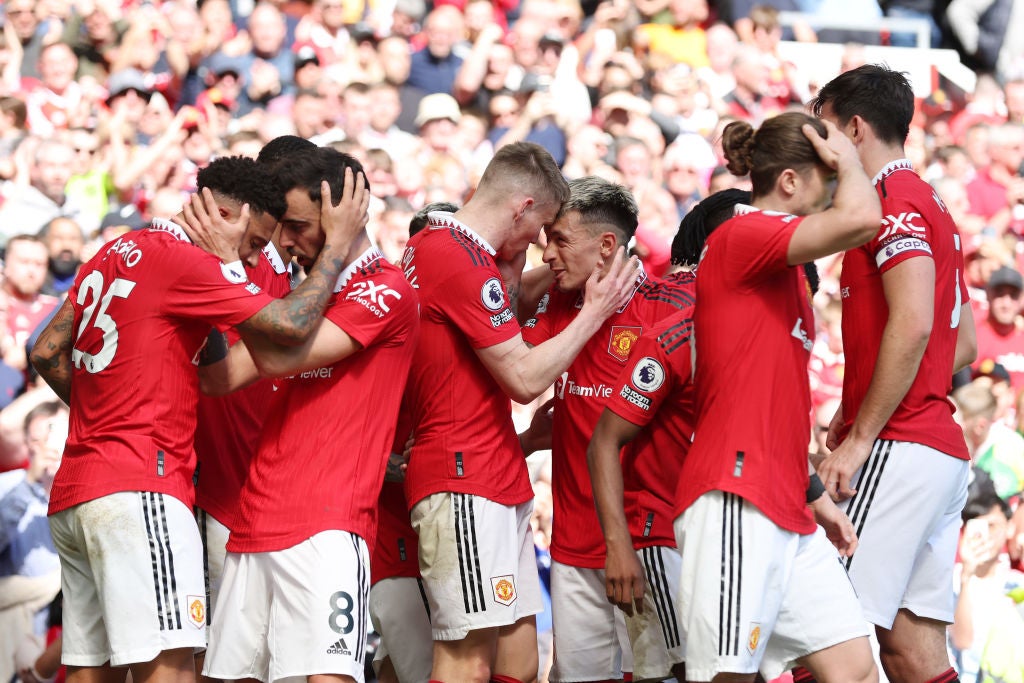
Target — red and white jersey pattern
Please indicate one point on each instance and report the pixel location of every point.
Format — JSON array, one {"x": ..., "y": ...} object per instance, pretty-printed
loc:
[
  {"x": 915, "y": 225},
  {"x": 228, "y": 427},
  {"x": 465, "y": 439},
  {"x": 655, "y": 391},
  {"x": 754, "y": 329},
  {"x": 581, "y": 394},
  {"x": 143, "y": 308},
  {"x": 320, "y": 463}
]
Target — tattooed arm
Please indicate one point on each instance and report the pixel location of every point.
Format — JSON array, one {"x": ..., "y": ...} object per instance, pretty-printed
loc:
[
  {"x": 291, "y": 320},
  {"x": 51, "y": 356}
]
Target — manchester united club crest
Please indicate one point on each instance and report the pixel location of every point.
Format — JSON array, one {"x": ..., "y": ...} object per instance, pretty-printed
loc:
[
  {"x": 622, "y": 340},
  {"x": 504, "y": 589},
  {"x": 197, "y": 611},
  {"x": 754, "y": 639}
]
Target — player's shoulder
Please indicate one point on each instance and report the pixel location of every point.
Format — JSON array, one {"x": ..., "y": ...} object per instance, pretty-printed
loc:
[
  {"x": 454, "y": 246},
  {"x": 656, "y": 291}
]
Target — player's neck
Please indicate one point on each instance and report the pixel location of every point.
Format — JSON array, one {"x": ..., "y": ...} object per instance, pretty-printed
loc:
[
  {"x": 360, "y": 245},
  {"x": 876, "y": 155},
  {"x": 485, "y": 222}
]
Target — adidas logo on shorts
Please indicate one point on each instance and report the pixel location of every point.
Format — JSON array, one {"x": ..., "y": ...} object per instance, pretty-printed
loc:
[{"x": 339, "y": 648}]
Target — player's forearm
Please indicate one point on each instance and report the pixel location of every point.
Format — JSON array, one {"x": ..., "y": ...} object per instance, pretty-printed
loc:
[
  {"x": 606, "y": 482},
  {"x": 290, "y": 321},
  {"x": 966, "y": 340},
  {"x": 899, "y": 357},
  {"x": 234, "y": 371},
  {"x": 541, "y": 365}
]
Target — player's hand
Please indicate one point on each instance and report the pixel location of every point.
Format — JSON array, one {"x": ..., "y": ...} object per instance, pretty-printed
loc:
[
  {"x": 624, "y": 578},
  {"x": 211, "y": 231},
  {"x": 398, "y": 463},
  {"x": 606, "y": 292},
  {"x": 346, "y": 220},
  {"x": 837, "y": 469},
  {"x": 835, "y": 148},
  {"x": 836, "y": 524}
]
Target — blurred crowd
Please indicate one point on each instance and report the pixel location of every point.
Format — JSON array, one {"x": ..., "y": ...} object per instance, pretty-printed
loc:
[{"x": 108, "y": 108}]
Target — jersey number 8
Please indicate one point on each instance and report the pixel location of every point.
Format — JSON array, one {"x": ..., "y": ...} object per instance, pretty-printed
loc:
[{"x": 93, "y": 284}]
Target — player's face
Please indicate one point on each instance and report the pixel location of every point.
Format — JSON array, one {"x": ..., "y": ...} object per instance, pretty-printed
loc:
[
  {"x": 528, "y": 228},
  {"x": 818, "y": 185},
  {"x": 301, "y": 234},
  {"x": 257, "y": 234},
  {"x": 572, "y": 251}
]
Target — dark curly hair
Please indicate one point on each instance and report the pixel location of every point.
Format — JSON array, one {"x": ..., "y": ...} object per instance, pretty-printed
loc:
[
  {"x": 245, "y": 181},
  {"x": 308, "y": 170},
  {"x": 283, "y": 146}
]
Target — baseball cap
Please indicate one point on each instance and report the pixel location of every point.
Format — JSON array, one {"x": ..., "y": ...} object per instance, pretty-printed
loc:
[
  {"x": 989, "y": 368},
  {"x": 306, "y": 55},
  {"x": 1006, "y": 276},
  {"x": 219, "y": 64},
  {"x": 127, "y": 215},
  {"x": 124, "y": 80},
  {"x": 437, "y": 106}
]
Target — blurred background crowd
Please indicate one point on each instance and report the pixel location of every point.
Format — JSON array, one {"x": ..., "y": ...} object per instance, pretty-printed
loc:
[{"x": 109, "y": 107}]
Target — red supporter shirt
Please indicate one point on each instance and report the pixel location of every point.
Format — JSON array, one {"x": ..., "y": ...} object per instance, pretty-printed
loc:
[
  {"x": 465, "y": 440},
  {"x": 320, "y": 463},
  {"x": 915, "y": 224},
  {"x": 580, "y": 397},
  {"x": 1007, "y": 350},
  {"x": 655, "y": 391},
  {"x": 143, "y": 308},
  {"x": 228, "y": 427},
  {"x": 754, "y": 329}
]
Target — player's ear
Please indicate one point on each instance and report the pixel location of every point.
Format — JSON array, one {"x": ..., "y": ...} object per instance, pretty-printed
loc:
[
  {"x": 522, "y": 207},
  {"x": 609, "y": 243},
  {"x": 789, "y": 181}
]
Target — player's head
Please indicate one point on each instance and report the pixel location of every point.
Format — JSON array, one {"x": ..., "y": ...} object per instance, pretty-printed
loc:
[
  {"x": 419, "y": 221},
  {"x": 300, "y": 175},
  {"x": 781, "y": 161},
  {"x": 283, "y": 146},
  {"x": 701, "y": 221},
  {"x": 597, "y": 219},
  {"x": 872, "y": 94},
  {"x": 523, "y": 179},
  {"x": 235, "y": 181}
]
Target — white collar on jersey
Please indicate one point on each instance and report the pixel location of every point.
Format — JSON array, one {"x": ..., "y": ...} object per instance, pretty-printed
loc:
[
  {"x": 438, "y": 220},
  {"x": 892, "y": 167},
  {"x": 371, "y": 254},
  {"x": 276, "y": 262},
  {"x": 745, "y": 209},
  {"x": 165, "y": 225},
  {"x": 641, "y": 277}
]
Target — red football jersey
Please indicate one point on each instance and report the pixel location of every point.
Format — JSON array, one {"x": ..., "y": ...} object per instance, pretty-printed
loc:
[
  {"x": 915, "y": 224},
  {"x": 580, "y": 396},
  {"x": 655, "y": 391},
  {"x": 754, "y": 329},
  {"x": 396, "y": 551},
  {"x": 143, "y": 308},
  {"x": 1006, "y": 350},
  {"x": 465, "y": 439},
  {"x": 320, "y": 463},
  {"x": 228, "y": 427}
]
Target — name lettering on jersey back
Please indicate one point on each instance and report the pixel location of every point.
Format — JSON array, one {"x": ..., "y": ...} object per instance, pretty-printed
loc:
[
  {"x": 127, "y": 250},
  {"x": 376, "y": 298},
  {"x": 408, "y": 268},
  {"x": 801, "y": 335}
]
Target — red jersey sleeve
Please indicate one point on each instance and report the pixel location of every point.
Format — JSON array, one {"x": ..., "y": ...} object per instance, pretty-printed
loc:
[
  {"x": 649, "y": 378},
  {"x": 475, "y": 302},
  {"x": 904, "y": 234},
  {"x": 202, "y": 291},
  {"x": 757, "y": 244}
]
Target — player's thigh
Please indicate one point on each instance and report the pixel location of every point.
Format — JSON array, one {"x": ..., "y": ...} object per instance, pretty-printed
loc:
[
  {"x": 238, "y": 646},
  {"x": 735, "y": 567},
  {"x": 477, "y": 563},
  {"x": 589, "y": 632},
  {"x": 134, "y": 584},
  {"x": 905, "y": 491},
  {"x": 819, "y": 613},
  {"x": 654, "y": 634},
  {"x": 319, "y": 607},
  {"x": 399, "y": 613}
]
